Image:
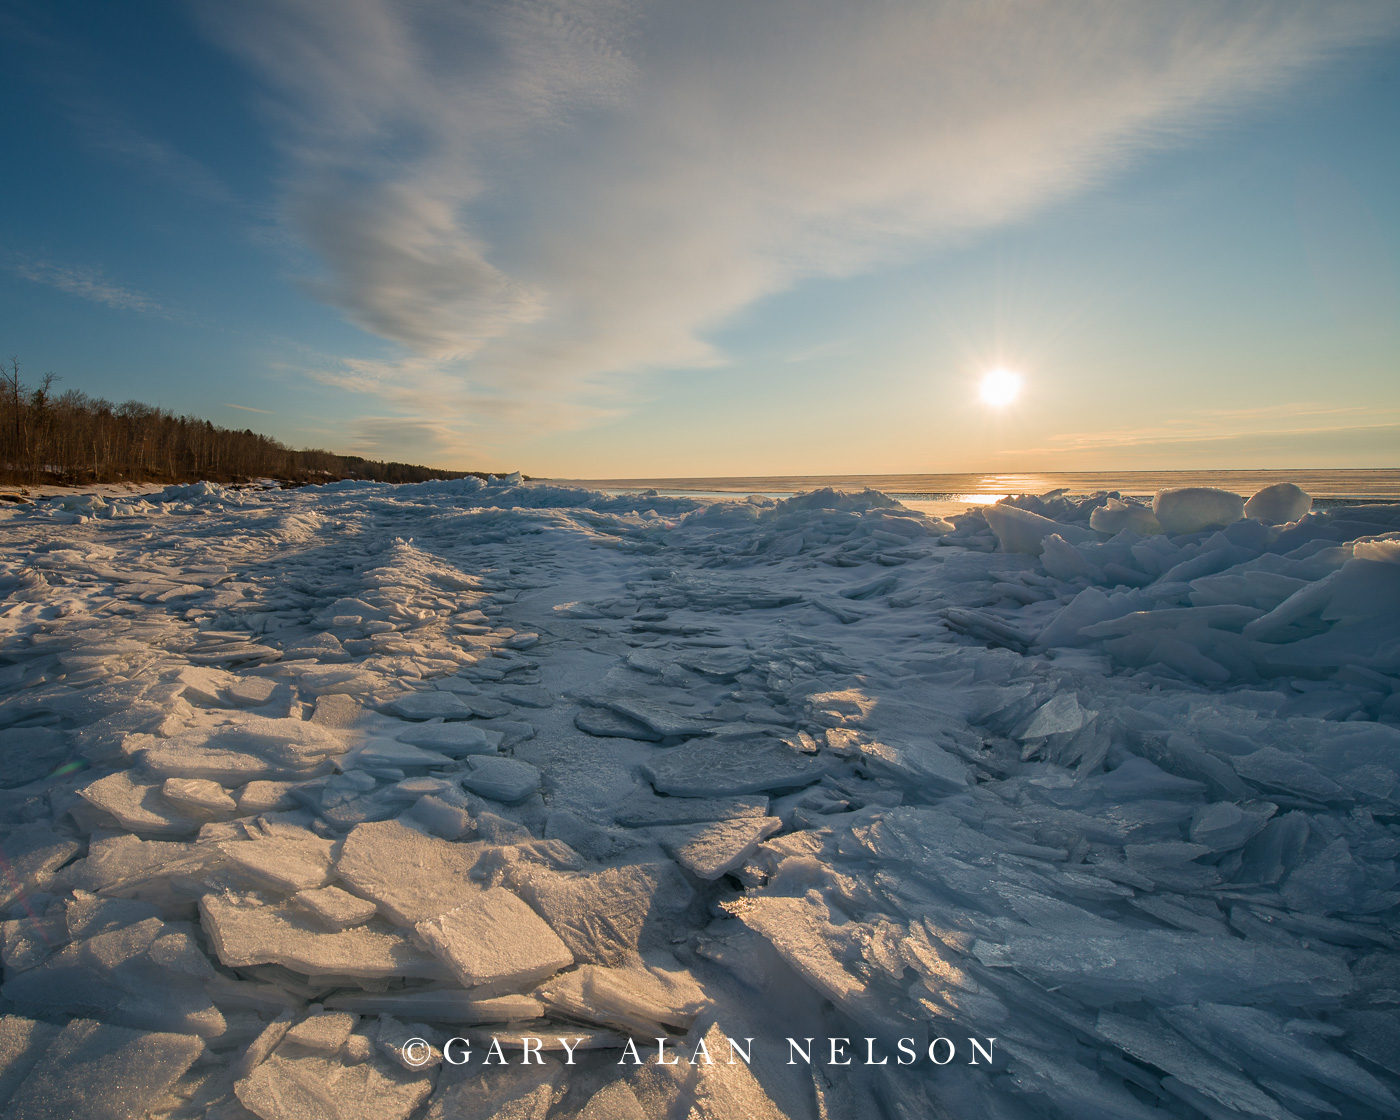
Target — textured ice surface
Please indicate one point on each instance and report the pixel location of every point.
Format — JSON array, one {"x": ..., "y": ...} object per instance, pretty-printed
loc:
[
  {"x": 495, "y": 942},
  {"x": 1115, "y": 787}
]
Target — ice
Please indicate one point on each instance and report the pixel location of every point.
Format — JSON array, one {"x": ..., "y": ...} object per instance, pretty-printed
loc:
[
  {"x": 198, "y": 795},
  {"x": 335, "y": 908},
  {"x": 1019, "y": 530},
  {"x": 510, "y": 1092},
  {"x": 442, "y": 1005},
  {"x": 721, "y": 769},
  {"x": 142, "y": 807},
  {"x": 1191, "y": 509},
  {"x": 1119, "y": 793},
  {"x": 721, "y": 1090},
  {"x": 616, "y": 1101},
  {"x": 495, "y": 943},
  {"x": 244, "y": 934},
  {"x": 508, "y": 780},
  {"x": 1114, "y": 516},
  {"x": 609, "y": 917},
  {"x": 409, "y": 875},
  {"x": 1279, "y": 503},
  {"x": 456, "y": 740},
  {"x": 286, "y": 1088},
  {"x": 1288, "y": 1047},
  {"x": 281, "y": 857},
  {"x": 103, "y": 1072},
  {"x": 708, "y": 851},
  {"x": 323, "y": 1033}
]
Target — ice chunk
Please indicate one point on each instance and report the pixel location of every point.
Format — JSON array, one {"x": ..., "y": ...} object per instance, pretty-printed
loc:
[
  {"x": 1266, "y": 1038},
  {"x": 1059, "y": 714},
  {"x": 30, "y": 753},
  {"x": 321, "y": 1034},
  {"x": 22, "y": 1044},
  {"x": 643, "y": 808},
  {"x": 283, "y": 857},
  {"x": 33, "y": 853},
  {"x": 720, "y": 769},
  {"x": 511, "y": 1092},
  {"x": 103, "y": 1072},
  {"x": 1114, "y": 516},
  {"x": 264, "y": 796},
  {"x": 1224, "y": 826},
  {"x": 616, "y": 1101},
  {"x": 495, "y": 942},
  {"x": 1149, "y": 1042},
  {"x": 1019, "y": 530},
  {"x": 149, "y": 975},
  {"x": 1191, "y": 509},
  {"x": 722, "y": 1090},
  {"x": 457, "y": 740},
  {"x": 631, "y": 999},
  {"x": 1100, "y": 968},
  {"x": 606, "y": 723},
  {"x": 508, "y": 780},
  {"x": 198, "y": 795},
  {"x": 803, "y": 933},
  {"x": 140, "y": 807},
  {"x": 337, "y": 909},
  {"x": 442, "y": 1005},
  {"x": 298, "y": 1088},
  {"x": 411, "y": 876},
  {"x": 1279, "y": 503},
  {"x": 431, "y": 705},
  {"x": 608, "y": 916},
  {"x": 660, "y": 719},
  {"x": 244, "y": 935},
  {"x": 441, "y": 818},
  {"x": 710, "y": 850}
]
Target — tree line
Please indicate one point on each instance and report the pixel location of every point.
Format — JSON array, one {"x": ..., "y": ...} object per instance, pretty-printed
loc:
[{"x": 70, "y": 437}]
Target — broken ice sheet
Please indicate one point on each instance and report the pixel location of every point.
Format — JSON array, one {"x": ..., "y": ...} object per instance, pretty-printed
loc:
[
  {"x": 495, "y": 943},
  {"x": 252, "y": 933},
  {"x": 709, "y": 850}
]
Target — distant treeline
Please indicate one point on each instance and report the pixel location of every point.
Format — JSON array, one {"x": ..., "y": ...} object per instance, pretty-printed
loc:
[{"x": 49, "y": 437}]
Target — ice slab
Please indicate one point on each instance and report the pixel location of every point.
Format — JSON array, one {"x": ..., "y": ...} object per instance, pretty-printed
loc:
[
  {"x": 103, "y": 1072},
  {"x": 1279, "y": 503},
  {"x": 243, "y": 935},
  {"x": 409, "y": 875},
  {"x": 495, "y": 942},
  {"x": 283, "y": 857},
  {"x": 441, "y": 1005},
  {"x": 644, "y": 808},
  {"x": 456, "y": 740},
  {"x": 141, "y": 807},
  {"x": 1191, "y": 509},
  {"x": 511, "y": 1092},
  {"x": 1019, "y": 530},
  {"x": 335, "y": 908},
  {"x": 720, "y": 769},
  {"x": 508, "y": 780},
  {"x": 198, "y": 795},
  {"x": 283, "y": 1088},
  {"x": 708, "y": 851},
  {"x": 608, "y": 916}
]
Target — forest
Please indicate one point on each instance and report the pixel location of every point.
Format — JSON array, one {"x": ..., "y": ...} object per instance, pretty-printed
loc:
[{"x": 47, "y": 437}]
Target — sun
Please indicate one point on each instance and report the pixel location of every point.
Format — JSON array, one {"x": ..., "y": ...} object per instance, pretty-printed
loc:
[{"x": 1000, "y": 387}]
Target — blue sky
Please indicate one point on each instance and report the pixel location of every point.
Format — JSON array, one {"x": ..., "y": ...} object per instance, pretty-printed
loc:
[{"x": 623, "y": 238}]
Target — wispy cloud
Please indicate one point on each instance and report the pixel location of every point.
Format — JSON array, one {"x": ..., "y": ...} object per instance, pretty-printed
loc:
[
  {"x": 86, "y": 283},
  {"x": 248, "y": 408},
  {"x": 532, "y": 198}
]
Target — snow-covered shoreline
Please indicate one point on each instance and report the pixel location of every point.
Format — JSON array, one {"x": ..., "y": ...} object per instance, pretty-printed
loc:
[{"x": 293, "y": 777}]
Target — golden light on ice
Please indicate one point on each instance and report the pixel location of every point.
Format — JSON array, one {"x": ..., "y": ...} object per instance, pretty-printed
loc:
[{"x": 1000, "y": 387}]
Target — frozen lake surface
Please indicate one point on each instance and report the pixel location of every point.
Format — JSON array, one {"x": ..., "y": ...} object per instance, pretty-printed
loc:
[{"x": 299, "y": 787}]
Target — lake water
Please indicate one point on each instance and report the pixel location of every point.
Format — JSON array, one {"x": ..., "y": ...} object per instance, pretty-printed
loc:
[{"x": 944, "y": 494}]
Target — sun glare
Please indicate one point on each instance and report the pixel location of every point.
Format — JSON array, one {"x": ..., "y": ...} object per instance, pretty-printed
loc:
[{"x": 1000, "y": 387}]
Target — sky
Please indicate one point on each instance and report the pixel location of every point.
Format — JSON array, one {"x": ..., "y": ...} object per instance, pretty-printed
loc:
[{"x": 656, "y": 238}]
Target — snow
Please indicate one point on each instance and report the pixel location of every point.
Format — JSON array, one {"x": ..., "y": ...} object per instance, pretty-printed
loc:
[{"x": 291, "y": 777}]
